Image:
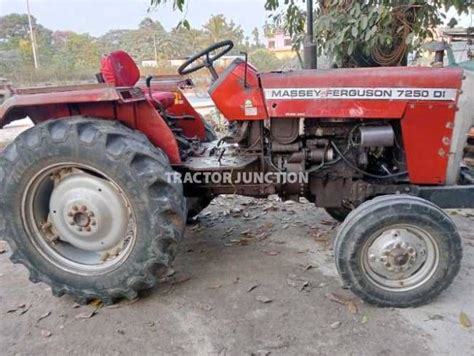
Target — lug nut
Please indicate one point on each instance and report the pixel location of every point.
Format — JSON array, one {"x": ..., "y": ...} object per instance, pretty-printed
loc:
[
  {"x": 83, "y": 208},
  {"x": 91, "y": 213},
  {"x": 70, "y": 214},
  {"x": 88, "y": 229},
  {"x": 79, "y": 229},
  {"x": 75, "y": 208},
  {"x": 93, "y": 223},
  {"x": 72, "y": 222}
]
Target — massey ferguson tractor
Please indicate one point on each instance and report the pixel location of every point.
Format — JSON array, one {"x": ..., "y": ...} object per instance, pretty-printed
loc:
[{"x": 91, "y": 205}]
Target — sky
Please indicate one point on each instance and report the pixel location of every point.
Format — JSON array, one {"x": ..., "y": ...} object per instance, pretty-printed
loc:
[{"x": 98, "y": 16}]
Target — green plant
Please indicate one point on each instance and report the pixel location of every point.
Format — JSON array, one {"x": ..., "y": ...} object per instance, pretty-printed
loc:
[{"x": 381, "y": 30}]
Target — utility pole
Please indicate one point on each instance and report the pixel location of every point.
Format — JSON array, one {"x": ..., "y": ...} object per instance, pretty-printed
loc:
[
  {"x": 156, "y": 50},
  {"x": 32, "y": 36},
  {"x": 310, "y": 48}
]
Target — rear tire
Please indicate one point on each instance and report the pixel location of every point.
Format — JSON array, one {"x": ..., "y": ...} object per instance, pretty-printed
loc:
[
  {"x": 121, "y": 163},
  {"x": 398, "y": 251}
]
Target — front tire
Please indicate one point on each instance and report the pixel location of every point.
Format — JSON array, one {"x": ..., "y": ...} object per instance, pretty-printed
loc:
[
  {"x": 398, "y": 251},
  {"x": 87, "y": 207}
]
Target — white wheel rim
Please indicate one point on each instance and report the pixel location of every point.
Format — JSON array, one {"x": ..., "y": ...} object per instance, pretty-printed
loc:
[
  {"x": 400, "y": 258},
  {"x": 78, "y": 219}
]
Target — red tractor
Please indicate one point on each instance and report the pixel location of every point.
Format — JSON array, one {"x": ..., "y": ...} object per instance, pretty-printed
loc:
[{"x": 91, "y": 203}]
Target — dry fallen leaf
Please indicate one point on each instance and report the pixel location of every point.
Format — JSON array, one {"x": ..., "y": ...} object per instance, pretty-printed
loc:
[
  {"x": 25, "y": 309},
  {"x": 216, "y": 286},
  {"x": 19, "y": 306},
  {"x": 263, "y": 299},
  {"x": 86, "y": 315},
  {"x": 203, "y": 306},
  {"x": 252, "y": 287},
  {"x": 365, "y": 319},
  {"x": 336, "y": 325},
  {"x": 349, "y": 303},
  {"x": 46, "y": 333},
  {"x": 337, "y": 298},
  {"x": 45, "y": 315},
  {"x": 435, "y": 317},
  {"x": 271, "y": 253},
  {"x": 304, "y": 285},
  {"x": 464, "y": 320},
  {"x": 352, "y": 307},
  {"x": 96, "y": 303}
]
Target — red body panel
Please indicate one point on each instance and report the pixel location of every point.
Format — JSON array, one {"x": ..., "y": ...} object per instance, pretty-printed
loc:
[
  {"x": 119, "y": 69},
  {"x": 191, "y": 128},
  {"x": 233, "y": 99},
  {"x": 427, "y": 130},
  {"x": 399, "y": 77},
  {"x": 175, "y": 103},
  {"x": 424, "y": 99},
  {"x": 99, "y": 101}
]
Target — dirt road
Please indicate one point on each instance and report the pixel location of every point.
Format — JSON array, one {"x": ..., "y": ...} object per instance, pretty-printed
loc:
[{"x": 253, "y": 277}]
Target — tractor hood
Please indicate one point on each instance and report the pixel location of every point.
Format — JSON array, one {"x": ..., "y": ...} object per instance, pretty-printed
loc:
[{"x": 357, "y": 92}]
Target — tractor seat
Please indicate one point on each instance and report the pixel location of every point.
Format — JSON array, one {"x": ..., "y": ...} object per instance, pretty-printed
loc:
[{"x": 120, "y": 70}]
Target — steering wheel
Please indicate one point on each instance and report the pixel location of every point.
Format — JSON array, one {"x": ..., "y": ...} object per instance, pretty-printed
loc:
[{"x": 207, "y": 60}]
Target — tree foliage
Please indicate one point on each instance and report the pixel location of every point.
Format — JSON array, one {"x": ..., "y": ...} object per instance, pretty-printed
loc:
[
  {"x": 69, "y": 55},
  {"x": 345, "y": 29},
  {"x": 382, "y": 30}
]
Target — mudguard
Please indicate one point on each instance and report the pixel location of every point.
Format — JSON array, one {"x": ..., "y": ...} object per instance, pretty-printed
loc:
[{"x": 127, "y": 105}]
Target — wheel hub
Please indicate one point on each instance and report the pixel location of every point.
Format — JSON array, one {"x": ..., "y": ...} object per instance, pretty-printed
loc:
[
  {"x": 397, "y": 254},
  {"x": 88, "y": 212}
]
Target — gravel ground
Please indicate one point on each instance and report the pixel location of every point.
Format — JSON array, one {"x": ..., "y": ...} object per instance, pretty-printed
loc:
[{"x": 252, "y": 277}]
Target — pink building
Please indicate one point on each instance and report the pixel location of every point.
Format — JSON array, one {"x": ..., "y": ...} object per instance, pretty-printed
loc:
[{"x": 281, "y": 45}]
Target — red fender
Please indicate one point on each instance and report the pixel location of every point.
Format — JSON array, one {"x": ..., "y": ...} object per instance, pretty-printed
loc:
[{"x": 105, "y": 102}]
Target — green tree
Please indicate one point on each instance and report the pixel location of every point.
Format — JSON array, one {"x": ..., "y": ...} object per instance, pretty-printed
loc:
[
  {"x": 368, "y": 32},
  {"x": 349, "y": 28},
  {"x": 189, "y": 41},
  {"x": 218, "y": 28},
  {"x": 141, "y": 43},
  {"x": 256, "y": 37},
  {"x": 15, "y": 35},
  {"x": 77, "y": 52},
  {"x": 265, "y": 60}
]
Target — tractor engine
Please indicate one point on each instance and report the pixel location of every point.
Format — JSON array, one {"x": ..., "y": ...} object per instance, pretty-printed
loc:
[{"x": 335, "y": 153}]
